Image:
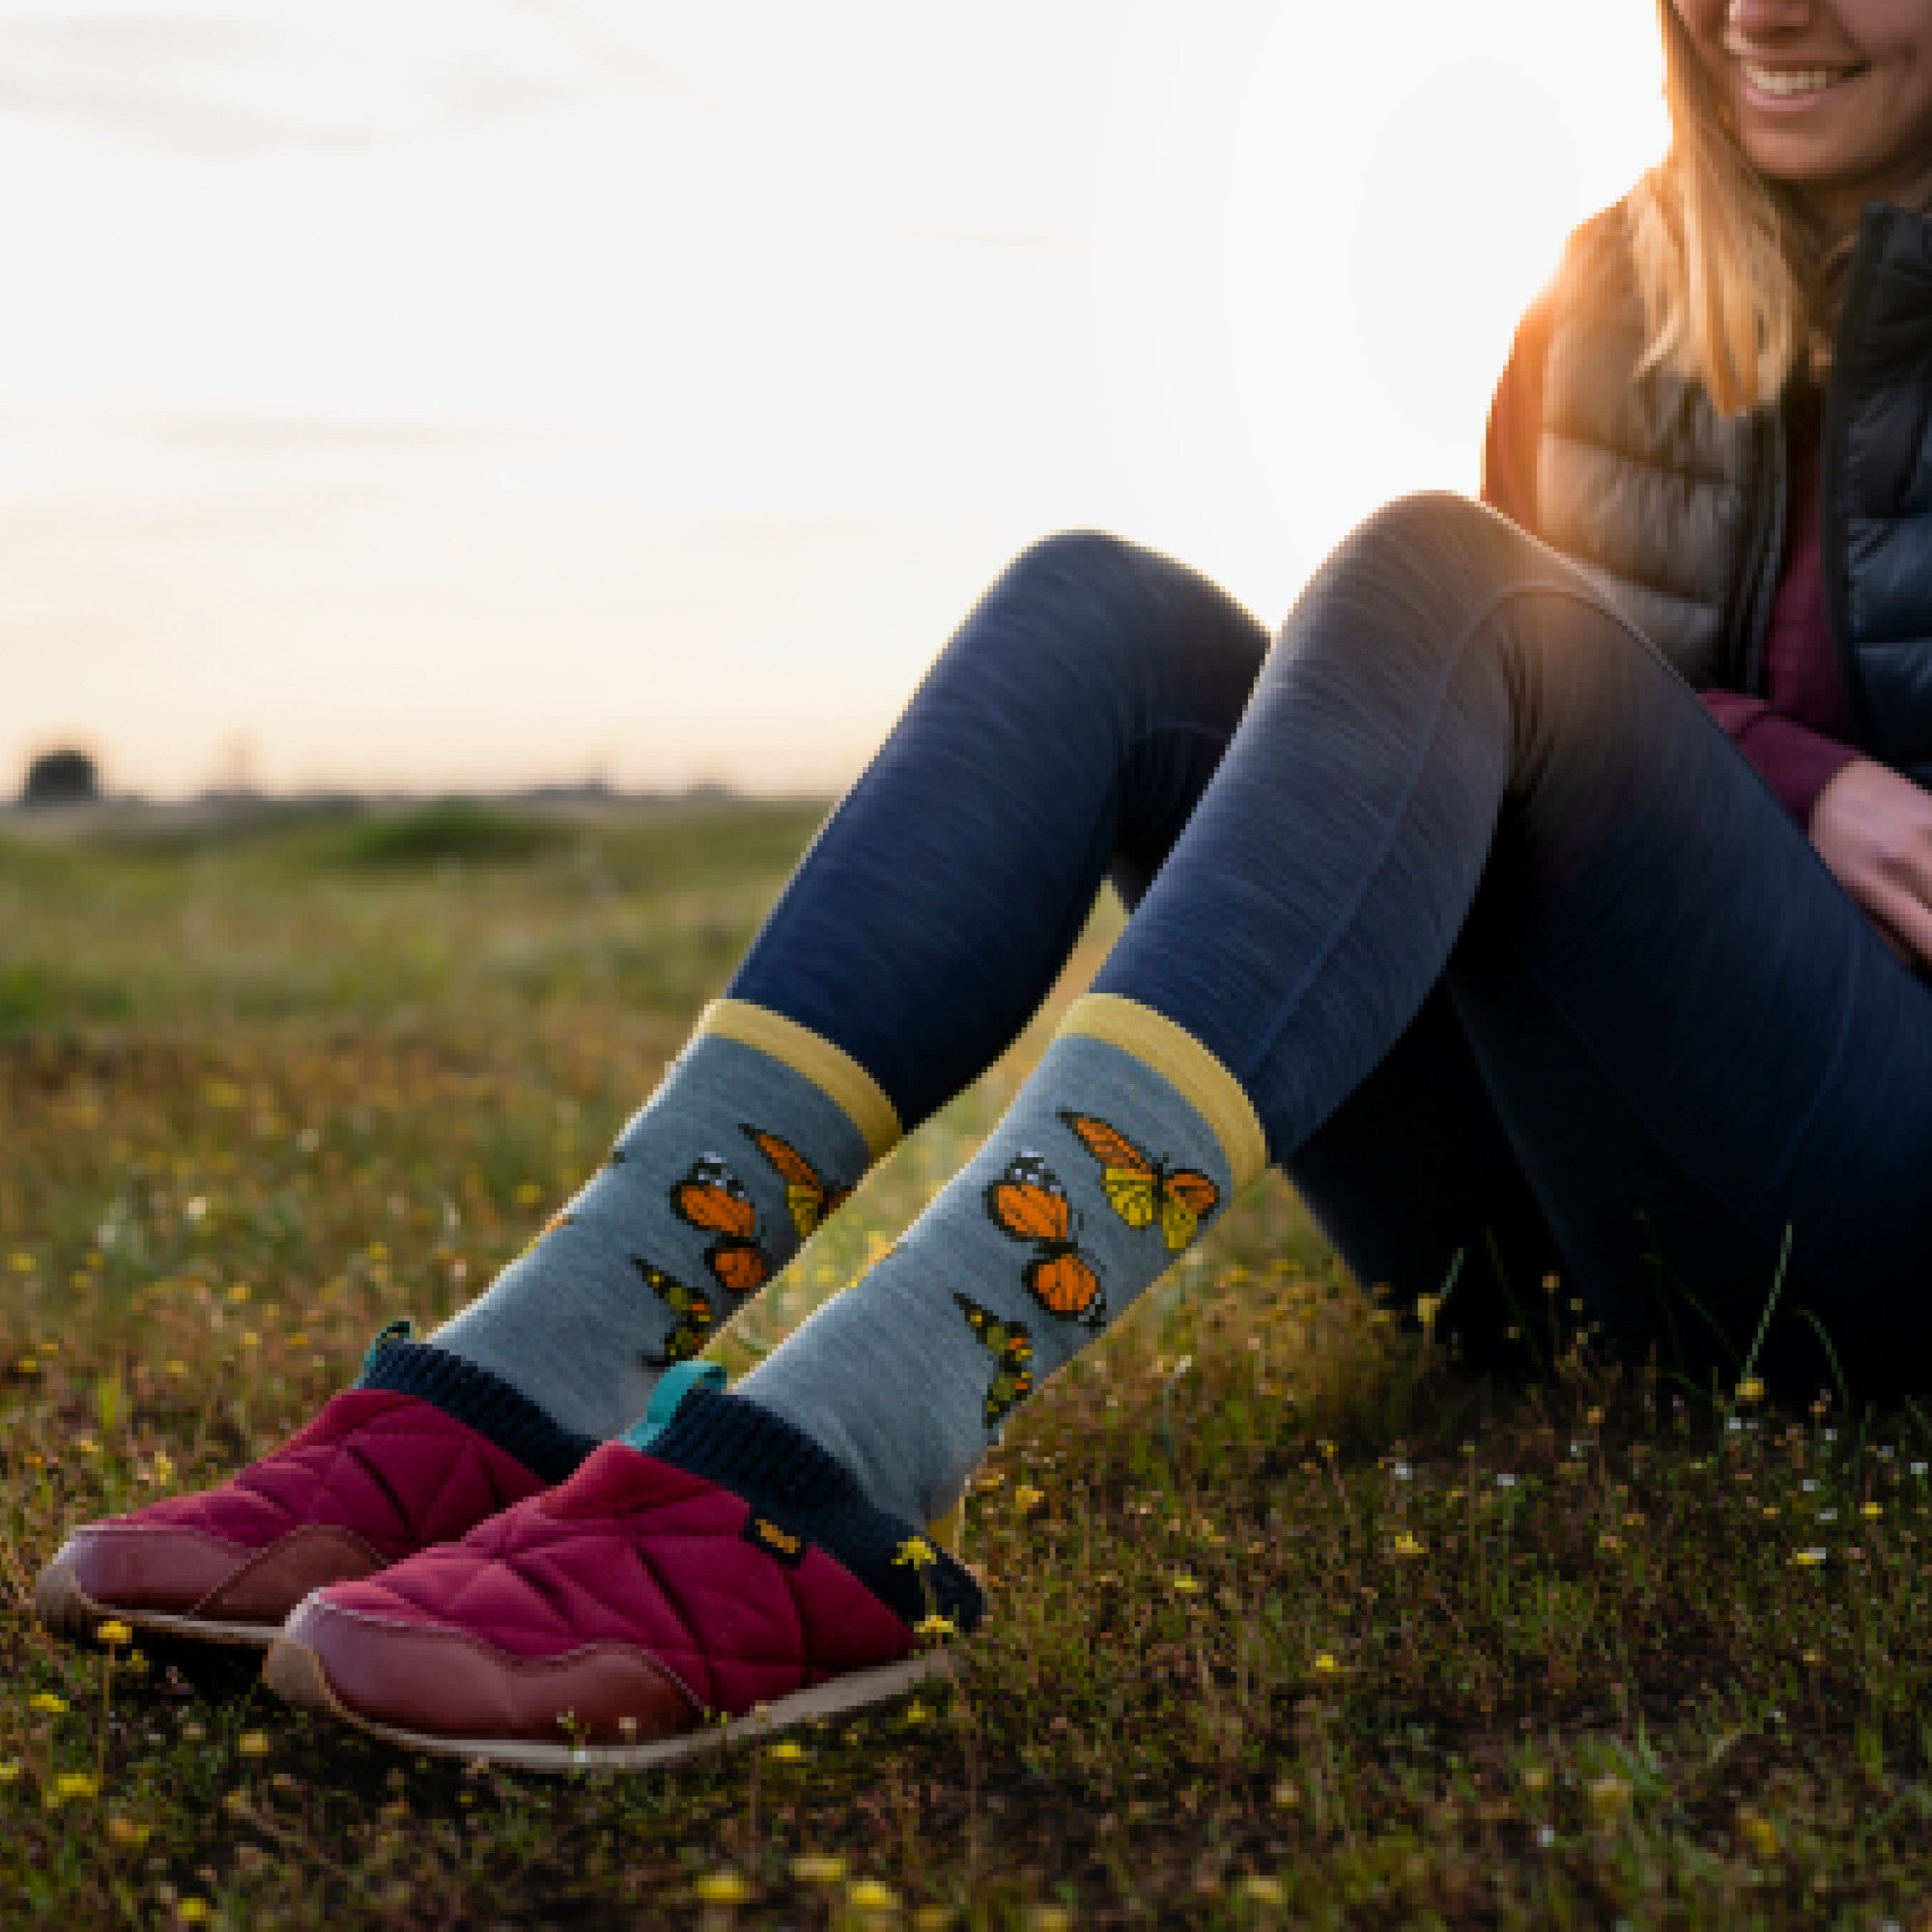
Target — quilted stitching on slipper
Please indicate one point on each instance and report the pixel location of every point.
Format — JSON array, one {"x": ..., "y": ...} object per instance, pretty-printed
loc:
[
  {"x": 392, "y": 1468},
  {"x": 635, "y": 1553}
]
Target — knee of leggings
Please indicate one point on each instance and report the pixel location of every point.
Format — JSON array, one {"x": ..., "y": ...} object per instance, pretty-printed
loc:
[
  {"x": 1423, "y": 561},
  {"x": 1426, "y": 526},
  {"x": 1081, "y": 556},
  {"x": 1085, "y": 604}
]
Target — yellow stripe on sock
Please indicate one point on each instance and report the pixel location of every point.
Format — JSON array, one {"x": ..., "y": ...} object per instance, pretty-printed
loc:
[
  {"x": 1186, "y": 1066},
  {"x": 829, "y": 1069}
]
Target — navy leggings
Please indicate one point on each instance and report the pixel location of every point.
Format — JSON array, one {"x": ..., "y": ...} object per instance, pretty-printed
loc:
[{"x": 1512, "y": 950}]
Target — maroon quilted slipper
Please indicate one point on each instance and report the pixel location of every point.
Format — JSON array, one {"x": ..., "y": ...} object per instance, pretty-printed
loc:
[
  {"x": 734, "y": 1573},
  {"x": 424, "y": 1448}
]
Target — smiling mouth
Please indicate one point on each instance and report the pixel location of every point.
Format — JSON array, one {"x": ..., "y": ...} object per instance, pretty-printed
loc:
[{"x": 1787, "y": 83}]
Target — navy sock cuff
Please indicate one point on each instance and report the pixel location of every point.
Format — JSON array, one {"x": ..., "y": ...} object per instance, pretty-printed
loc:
[
  {"x": 480, "y": 1401},
  {"x": 785, "y": 1475}
]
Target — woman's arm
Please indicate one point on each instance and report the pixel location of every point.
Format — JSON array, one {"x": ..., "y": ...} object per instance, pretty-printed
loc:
[{"x": 1794, "y": 760}]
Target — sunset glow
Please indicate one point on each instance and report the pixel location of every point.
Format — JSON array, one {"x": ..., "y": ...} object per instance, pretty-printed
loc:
[{"x": 476, "y": 393}]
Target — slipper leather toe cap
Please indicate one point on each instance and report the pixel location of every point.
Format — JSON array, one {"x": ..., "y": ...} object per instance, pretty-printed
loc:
[
  {"x": 173, "y": 1570},
  {"x": 437, "y": 1681}
]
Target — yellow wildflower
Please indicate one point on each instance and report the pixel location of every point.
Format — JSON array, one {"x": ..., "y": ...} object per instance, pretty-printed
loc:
[
  {"x": 1758, "y": 1833},
  {"x": 787, "y": 1751},
  {"x": 936, "y": 1629},
  {"x": 1751, "y": 1390},
  {"x": 1325, "y": 1662},
  {"x": 1049, "y": 1918},
  {"x": 47, "y": 1703},
  {"x": 1186, "y": 1585},
  {"x": 1872, "y": 1510},
  {"x": 1027, "y": 1498},
  {"x": 818, "y": 1868},
  {"x": 74, "y": 1785},
  {"x": 722, "y": 1888},
  {"x": 1409, "y": 1545},
  {"x": 1808, "y": 1559},
  {"x": 238, "y": 1291},
  {"x": 1264, "y": 1890},
  {"x": 9, "y": 1770},
  {"x": 113, "y": 1631},
  {"x": 253, "y": 1744},
  {"x": 123, "y": 1831},
  {"x": 870, "y": 1894},
  {"x": 917, "y": 1551},
  {"x": 1609, "y": 1797},
  {"x": 194, "y": 1912},
  {"x": 1427, "y": 1308}
]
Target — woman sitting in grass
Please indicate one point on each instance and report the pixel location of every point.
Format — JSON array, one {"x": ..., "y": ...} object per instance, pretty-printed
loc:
[{"x": 1554, "y": 890}]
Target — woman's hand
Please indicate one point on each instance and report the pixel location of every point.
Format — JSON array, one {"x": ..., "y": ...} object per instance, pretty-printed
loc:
[{"x": 1874, "y": 829}]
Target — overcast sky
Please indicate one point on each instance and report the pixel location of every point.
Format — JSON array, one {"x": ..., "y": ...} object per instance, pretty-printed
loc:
[{"x": 477, "y": 392}]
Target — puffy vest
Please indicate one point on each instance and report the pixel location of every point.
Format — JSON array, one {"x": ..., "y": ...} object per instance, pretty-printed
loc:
[{"x": 1679, "y": 513}]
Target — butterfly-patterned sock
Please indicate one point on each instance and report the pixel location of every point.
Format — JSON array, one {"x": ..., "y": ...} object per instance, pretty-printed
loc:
[
  {"x": 758, "y": 1132},
  {"x": 1126, "y": 1141}
]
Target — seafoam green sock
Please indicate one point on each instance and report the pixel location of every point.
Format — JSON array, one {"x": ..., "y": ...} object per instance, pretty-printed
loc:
[
  {"x": 1127, "y": 1140},
  {"x": 757, "y": 1134}
]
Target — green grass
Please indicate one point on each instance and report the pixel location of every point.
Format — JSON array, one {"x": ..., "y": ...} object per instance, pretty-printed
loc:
[{"x": 1292, "y": 1622}]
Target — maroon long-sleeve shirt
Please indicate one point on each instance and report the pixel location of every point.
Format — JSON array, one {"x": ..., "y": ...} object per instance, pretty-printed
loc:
[{"x": 1799, "y": 737}]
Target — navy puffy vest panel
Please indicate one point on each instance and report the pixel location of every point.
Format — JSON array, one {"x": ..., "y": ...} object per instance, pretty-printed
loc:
[
  {"x": 1878, "y": 548},
  {"x": 1658, "y": 498},
  {"x": 1644, "y": 487}
]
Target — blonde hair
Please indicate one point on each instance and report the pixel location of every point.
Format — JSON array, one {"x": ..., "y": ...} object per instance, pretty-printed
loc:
[{"x": 1741, "y": 285}]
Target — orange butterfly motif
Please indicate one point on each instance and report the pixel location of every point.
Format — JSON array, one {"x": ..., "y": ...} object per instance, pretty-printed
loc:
[
  {"x": 712, "y": 1199},
  {"x": 1142, "y": 1191},
  {"x": 810, "y": 1199},
  {"x": 1029, "y": 1203}
]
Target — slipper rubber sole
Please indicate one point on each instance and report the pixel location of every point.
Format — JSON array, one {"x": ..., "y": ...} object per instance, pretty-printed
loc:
[{"x": 293, "y": 1671}]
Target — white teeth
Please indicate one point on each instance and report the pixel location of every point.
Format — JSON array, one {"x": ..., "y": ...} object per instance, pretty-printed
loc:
[{"x": 1809, "y": 80}]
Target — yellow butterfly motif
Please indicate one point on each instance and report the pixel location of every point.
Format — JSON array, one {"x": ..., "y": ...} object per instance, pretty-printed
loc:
[{"x": 1142, "y": 1191}]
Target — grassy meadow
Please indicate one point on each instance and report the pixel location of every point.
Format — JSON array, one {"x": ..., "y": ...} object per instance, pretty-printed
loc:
[{"x": 1292, "y": 1622}]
